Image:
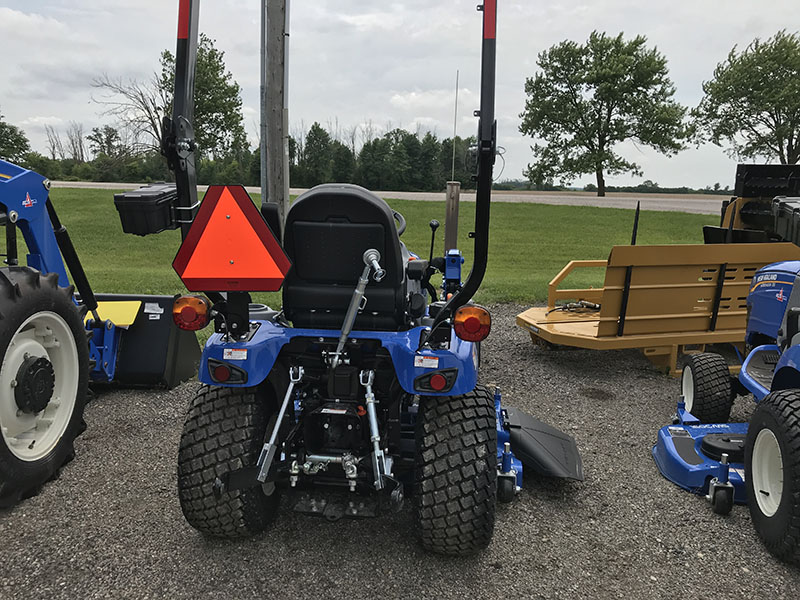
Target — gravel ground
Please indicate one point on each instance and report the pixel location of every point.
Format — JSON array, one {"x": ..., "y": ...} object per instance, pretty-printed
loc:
[{"x": 111, "y": 526}]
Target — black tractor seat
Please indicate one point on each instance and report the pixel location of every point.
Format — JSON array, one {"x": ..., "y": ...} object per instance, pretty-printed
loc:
[{"x": 328, "y": 228}]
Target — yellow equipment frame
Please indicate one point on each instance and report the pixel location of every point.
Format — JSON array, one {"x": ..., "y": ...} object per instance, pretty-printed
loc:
[{"x": 675, "y": 301}]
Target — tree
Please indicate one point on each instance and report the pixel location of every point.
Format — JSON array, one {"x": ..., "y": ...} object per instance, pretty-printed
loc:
[
  {"x": 13, "y": 142},
  {"x": 75, "y": 142},
  {"x": 588, "y": 98},
  {"x": 140, "y": 106},
  {"x": 219, "y": 124},
  {"x": 316, "y": 155},
  {"x": 753, "y": 101},
  {"x": 106, "y": 141}
]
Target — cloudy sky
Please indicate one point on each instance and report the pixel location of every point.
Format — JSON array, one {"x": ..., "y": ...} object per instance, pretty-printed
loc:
[{"x": 389, "y": 62}]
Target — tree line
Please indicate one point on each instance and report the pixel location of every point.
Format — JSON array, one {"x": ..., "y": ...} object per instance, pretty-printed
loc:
[{"x": 582, "y": 103}]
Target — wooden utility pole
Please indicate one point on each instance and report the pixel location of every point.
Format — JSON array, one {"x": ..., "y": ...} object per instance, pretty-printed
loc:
[
  {"x": 275, "y": 114},
  {"x": 451, "y": 215}
]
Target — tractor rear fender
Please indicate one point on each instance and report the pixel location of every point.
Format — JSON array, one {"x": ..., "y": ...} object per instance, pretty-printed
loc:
[
  {"x": 787, "y": 371},
  {"x": 257, "y": 356}
]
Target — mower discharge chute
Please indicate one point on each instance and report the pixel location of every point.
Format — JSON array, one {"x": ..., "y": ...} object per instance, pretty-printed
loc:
[
  {"x": 365, "y": 385},
  {"x": 53, "y": 343},
  {"x": 756, "y": 463}
]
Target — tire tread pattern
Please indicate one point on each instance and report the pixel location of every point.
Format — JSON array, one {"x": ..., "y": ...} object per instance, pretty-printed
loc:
[
  {"x": 20, "y": 289},
  {"x": 713, "y": 397},
  {"x": 457, "y": 472},
  {"x": 223, "y": 431},
  {"x": 781, "y": 536}
]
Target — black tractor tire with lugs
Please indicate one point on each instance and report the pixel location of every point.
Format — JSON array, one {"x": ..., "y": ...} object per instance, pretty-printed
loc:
[
  {"x": 706, "y": 387},
  {"x": 456, "y": 472},
  {"x": 779, "y": 414},
  {"x": 44, "y": 371},
  {"x": 224, "y": 431}
]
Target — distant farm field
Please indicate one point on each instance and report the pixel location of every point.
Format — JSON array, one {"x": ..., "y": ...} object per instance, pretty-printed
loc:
[{"x": 529, "y": 243}]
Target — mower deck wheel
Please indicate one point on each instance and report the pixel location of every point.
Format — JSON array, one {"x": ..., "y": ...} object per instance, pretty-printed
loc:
[
  {"x": 706, "y": 387},
  {"x": 224, "y": 431},
  {"x": 722, "y": 500},
  {"x": 44, "y": 371},
  {"x": 456, "y": 472},
  {"x": 772, "y": 473}
]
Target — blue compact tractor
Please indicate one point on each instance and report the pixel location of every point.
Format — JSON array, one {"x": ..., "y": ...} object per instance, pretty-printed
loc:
[
  {"x": 756, "y": 463},
  {"x": 363, "y": 389}
]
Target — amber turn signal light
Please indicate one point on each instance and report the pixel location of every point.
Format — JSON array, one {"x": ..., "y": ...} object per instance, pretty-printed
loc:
[
  {"x": 472, "y": 323},
  {"x": 191, "y": 312}
]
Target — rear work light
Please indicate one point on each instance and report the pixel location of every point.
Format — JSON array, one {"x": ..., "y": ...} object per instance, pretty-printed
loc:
[
  {"x": 472, "y": 323},
  {"x": 191, "y": 312}
]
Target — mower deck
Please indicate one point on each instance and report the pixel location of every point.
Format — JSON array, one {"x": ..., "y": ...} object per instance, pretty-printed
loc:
[{"x": 688, "y": 454}]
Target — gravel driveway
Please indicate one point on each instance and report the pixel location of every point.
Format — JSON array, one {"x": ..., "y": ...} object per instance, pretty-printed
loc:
[{"x": 111, "y": 526}]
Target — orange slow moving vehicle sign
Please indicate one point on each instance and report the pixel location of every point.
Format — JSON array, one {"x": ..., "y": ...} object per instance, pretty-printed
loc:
[{"x": 229, "y": 247}]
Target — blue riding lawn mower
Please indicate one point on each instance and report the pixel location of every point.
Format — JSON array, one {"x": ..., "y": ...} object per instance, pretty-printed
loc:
[
  {"x": 364, "y": 386},
  {"x": 54, "y": 343},
  {"x": 757, "y": 463}
]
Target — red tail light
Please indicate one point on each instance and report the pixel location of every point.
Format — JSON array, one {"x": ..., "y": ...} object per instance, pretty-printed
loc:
[
  {"x": 472, "y": 323},
  {"x": 191, "y": 312}
]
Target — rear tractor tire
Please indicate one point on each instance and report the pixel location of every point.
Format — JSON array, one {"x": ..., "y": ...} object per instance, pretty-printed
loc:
[
  {"x": 43, "y": 380},
  {"x": 224, "y": 431},
  {"x": 456, "y": 472},
  {"x": 706, "y": 387},
  {"x": 772, "y": 473}
]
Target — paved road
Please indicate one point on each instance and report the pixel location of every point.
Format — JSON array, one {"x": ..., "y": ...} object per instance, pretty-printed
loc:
[{"x": 698, "y": 203}]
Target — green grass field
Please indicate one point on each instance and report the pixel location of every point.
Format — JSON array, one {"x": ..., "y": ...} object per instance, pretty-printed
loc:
[{"x": 529, "y": 243}]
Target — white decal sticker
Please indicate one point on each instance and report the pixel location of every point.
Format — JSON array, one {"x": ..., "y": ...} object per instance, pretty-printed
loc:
[
  {"x": 155, "y": 317},
  {"x": 152, "y": 308},
  {"x": 234, "y": 354},
  {"x": 334, "y": 411},
  {"x": 426, "y": 362}
]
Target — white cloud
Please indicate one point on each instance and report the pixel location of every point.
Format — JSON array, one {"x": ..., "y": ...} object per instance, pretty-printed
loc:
[{"x": 388, "y": 62}]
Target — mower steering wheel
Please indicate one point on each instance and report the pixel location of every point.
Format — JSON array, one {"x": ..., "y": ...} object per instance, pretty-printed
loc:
[{"x": 401, "y": 222}]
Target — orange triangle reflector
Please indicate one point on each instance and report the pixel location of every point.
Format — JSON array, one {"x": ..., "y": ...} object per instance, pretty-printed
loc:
[{"x": 229, "y": 247}]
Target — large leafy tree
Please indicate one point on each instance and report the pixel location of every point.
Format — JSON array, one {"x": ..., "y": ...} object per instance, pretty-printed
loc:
[
  {"x": 753, "y": 101},
  {"x": 218, "y": 121},
  {"x": 317, "y": 156},
  {"x": 588, "y": 98},
  {"x": 13, "y": 142}
]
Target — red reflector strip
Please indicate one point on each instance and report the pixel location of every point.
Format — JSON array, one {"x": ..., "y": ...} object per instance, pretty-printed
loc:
[
  {"x": 184, "y": 9},
  {"x": 489, "y": 19}
]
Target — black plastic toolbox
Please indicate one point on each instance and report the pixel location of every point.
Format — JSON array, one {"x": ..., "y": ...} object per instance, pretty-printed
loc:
[
  {"x": 786, "y": 212},
  {"x": 150, "y": 209}
]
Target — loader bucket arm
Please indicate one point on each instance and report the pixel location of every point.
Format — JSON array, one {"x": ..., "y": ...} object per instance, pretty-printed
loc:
[{"x": 487, "y": 143}]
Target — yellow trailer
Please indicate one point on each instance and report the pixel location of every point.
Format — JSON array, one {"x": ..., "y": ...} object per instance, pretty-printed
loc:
[{"x": 664, "y": 300}]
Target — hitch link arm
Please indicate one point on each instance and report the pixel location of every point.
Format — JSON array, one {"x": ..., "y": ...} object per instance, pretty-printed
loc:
[
  {"x": 378, "y": 459},
  {"x": 358, "y": 302},
  {"x": 268, "y": 451}
]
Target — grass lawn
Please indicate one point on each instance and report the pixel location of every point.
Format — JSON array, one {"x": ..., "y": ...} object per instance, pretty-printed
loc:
[{"x": 529, "y": 243}]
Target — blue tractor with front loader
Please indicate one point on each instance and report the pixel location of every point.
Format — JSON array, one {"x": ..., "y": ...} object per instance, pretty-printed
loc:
[
  {"x": 55, "y": 343},
  {"x": 363, "y": 388}
]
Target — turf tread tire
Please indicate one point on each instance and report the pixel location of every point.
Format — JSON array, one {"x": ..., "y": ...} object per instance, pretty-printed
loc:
[
  {"x": 25, "y": 292},
  {"x": 713, "y": 394},
  {"x": 780, "y": 533},
  {"x": 224, "y": 431},
  {"x": 456, "y": 472}
]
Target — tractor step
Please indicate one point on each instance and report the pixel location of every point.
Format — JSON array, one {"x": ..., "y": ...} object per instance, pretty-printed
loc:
[{"x": 761, "y": 366}]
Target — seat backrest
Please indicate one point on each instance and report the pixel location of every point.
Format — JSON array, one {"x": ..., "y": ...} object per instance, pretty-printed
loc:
[{"x": 327, "y": 231}]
